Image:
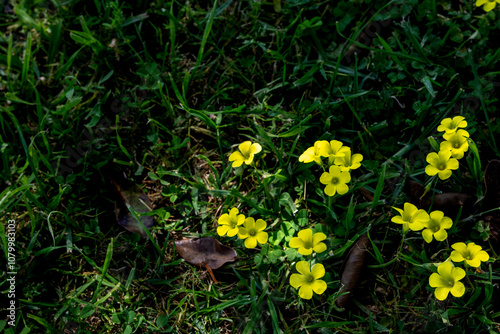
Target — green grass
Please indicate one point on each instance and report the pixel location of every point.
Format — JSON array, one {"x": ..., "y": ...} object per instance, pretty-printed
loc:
[{"x": 165, "y": 91}]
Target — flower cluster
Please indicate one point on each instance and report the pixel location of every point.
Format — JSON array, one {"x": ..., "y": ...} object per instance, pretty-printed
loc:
[
  {"x": 434, "y": 225},
  {"x": 447, "y": 278},
  {"x": 246, "y": 228},
  {"x": 452, "y": 148},
  {"x": 340, "y": 161},
  {"x": 309, "y": 278}
]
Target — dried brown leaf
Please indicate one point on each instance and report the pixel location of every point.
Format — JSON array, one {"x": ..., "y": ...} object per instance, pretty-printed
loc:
[
  {"x": 131, "y": 195},
  {"x": 205, "y": 252},
  {"x": 352, "y": 269},
  {"x": 449, "y": 203}
]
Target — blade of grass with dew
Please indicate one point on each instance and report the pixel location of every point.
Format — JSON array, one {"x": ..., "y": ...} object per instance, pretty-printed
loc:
[
  {"x": 378, "y": 189},
  {"x": 119, "y": 140},
  {"x": 201, "y": 51},
  {"x": 107, "y": 261}
]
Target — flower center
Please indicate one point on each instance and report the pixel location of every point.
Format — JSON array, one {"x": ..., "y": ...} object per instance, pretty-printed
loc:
[
  {"x": 433, "y": 226},
  {"x": 457, "y": 145},
  {"x": 335, "y": 180},
  {"x": 252, "y": 233},
  {"x": 310, "y": 278},
  {"x": 442, "y": 167},
  {"x": 232, "y": 224},
  {"x": 451, "y": 283}
]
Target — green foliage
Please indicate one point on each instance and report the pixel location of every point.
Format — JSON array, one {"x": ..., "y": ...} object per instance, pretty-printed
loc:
[{"x": 164, "y": 92}]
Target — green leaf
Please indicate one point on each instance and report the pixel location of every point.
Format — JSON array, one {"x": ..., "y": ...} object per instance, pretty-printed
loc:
[{"x": 434, "y": 143}]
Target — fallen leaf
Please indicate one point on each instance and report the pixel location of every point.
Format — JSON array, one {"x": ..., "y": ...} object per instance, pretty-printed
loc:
[
  {"x": 205, "y": 252},
  {"x": 352, "y": 269},
  {"x": 449, "y": 203},
  {"x": 130, "y": 195}
]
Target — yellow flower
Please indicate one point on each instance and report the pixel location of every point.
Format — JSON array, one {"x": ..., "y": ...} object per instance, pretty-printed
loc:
[
  {"x": 307, "y": 242},
  {"x": 246, "y": 153},
  {"x": 335, "y": 181},
  {"x": 253, "y": 231},
  {"x": 411, "y": 217},
  {"x": 347, "y": 162},
  {"x": 451, "y": 125},
  {"x": 472, "y": 254},
  {"x": 488, "y": 4},
  {"x": 435, "y": 226},
  {"x": 441, "y": 164},
  {"x": 228, "y": 223},
  {"x": 447, "y": 280},
  {"x": 315, "y": 152},
  {"x": 334, "y": 150},
  {"x": 456, "y": 143},
  {"x": 308, "y": 280}
]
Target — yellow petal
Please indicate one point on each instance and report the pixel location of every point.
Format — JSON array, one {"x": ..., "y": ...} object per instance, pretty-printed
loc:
[
  {"x": 222, "y": 230},
  {"x": 305, "y": 291},
  {"x": 432, "y": 158},
  {"x": 319, "y": 248},
  {"x": 307, "y": 156},
  {"x": 457, "y": 273},
  {"x": 255, "y": 148},
  {"x": 435, "y": 280},
  {"x": 305, "y": 251},
  {"x": 317, "y": 237},
  {"x": 297, "y": 280},
  {"x": 318, "y": 271},
  {"x": 319, "y": 286},
  {"x": 345, "y": 177},
  {"x": 444, "y": 174},
  {"x": 431, "y": 170},
  {"x": 296, "y": 242},
  {"x": 303, "y": 267},
  {"x": 458, "y": 289},
  {"x": 250, "y": 223},
  {"x": 325, "y": 178},
  {"x": 232, "y": 232},
  {"x": 330, "y": 189},
  {"x": 441, "y": 235},
  {"x": 306, "y": 235},
  {"x": 262, "y": 237},
  {"x": 452, "y": 163},
  {"x": 459, "y": 246},
  {"x": 251, "y": 242},
  {"x": 445, "y": 269},
  {"x": 428, "y": 235},
  {"x": 245, "y": 147},
  {"x": 441, "y": 293},
  {"x": 456, "y": 256},
  {"x": 260, "y": 225},
  {"x": 342, "y": 188}
]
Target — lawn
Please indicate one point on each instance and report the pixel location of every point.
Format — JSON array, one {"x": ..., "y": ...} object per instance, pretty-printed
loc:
[{"x": 299, "y": 166}]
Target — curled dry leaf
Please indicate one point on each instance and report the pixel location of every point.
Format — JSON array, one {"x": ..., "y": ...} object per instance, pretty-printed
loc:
[
  {"x": 205, "y": 252},
  {"x": 449, "y": 203},
  {"x": 353, "y": 265},
  {"x": 131, "y": 195}
]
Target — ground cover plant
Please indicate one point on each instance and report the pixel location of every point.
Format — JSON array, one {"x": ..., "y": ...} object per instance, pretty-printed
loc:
[{"x": 296, "y": 166}]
